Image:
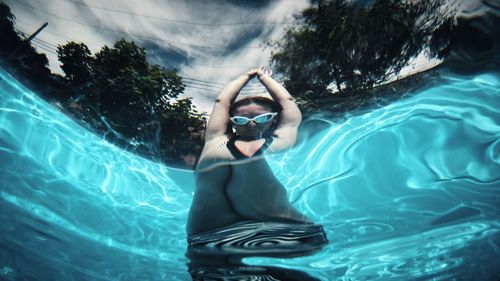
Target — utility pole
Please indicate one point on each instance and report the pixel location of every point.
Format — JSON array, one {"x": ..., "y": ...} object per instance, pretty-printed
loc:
[{"x": 25, "y": 42}]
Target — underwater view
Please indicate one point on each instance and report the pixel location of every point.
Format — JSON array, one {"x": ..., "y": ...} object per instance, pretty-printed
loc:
[{"x": 401, "y": 183}]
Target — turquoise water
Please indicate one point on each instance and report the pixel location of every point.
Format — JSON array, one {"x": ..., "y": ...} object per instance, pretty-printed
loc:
[{"x": 410, "y": 191}]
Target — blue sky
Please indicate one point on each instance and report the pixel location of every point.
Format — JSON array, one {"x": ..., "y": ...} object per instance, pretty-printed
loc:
[{"x": 208, "y": 42}]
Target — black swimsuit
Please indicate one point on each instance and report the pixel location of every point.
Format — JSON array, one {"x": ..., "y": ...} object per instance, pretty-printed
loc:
[
  {"x": 252, "y": 238},
  {"x": 237, "y": 153}
]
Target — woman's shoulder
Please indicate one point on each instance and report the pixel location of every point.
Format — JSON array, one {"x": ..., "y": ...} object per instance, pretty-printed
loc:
[
  {"x": 216, "y": 148},
  {"x": 281, "y": 141},
  {"x": 218, "y": 143}
]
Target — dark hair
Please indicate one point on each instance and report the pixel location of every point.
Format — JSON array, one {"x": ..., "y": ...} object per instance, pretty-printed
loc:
[{"x": 262, "y": 101}]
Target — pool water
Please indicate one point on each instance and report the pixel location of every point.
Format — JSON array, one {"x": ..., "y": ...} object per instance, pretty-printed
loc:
[{"x": 410, "y": 191}]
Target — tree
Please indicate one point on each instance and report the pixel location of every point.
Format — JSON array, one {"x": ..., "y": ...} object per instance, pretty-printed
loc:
[
  {"x": 21, "y": 59},
  {"x": 77, "y": 63},
  {"x": 343, "y": 47},
  {"x": 139, "y": 103},
  {"x": 10, "y": 39},
  {"x": 116, "y": 92}
]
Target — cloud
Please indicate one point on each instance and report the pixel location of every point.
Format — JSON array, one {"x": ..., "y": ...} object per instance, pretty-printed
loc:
[{"x": 209, "y": 41}]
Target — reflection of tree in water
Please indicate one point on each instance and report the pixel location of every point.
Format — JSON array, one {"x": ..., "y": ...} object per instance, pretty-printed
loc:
[
  {"x": 354, "y": 47},
  {"x": 470, "y": 41}
]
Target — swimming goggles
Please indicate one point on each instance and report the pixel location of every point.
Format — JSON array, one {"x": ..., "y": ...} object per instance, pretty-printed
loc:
[{"x": 259, "y": 119}]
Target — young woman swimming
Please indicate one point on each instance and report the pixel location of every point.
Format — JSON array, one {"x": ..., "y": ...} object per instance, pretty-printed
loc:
[{"x": 234, "y": 183}]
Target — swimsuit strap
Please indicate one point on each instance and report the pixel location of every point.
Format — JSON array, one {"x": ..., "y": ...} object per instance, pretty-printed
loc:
[
  {"x": 267, "y": 143},
  {"x": 237, "y": 153}
]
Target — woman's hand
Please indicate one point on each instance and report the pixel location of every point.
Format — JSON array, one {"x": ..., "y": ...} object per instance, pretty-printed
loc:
[
  {"x": 259, "y": 72},
  {"x": 252, "y": 73},
  {"x": 262, "y": 71}
]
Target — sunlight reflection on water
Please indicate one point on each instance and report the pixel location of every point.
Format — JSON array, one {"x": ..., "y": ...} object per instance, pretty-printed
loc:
[{"x": 406, "y": 191}]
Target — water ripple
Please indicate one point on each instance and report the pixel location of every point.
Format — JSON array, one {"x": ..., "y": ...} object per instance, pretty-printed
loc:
[{"x": 378, "y": 182}]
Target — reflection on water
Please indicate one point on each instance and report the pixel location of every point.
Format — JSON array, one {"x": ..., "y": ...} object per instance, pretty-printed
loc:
[
  {"x": 219, "y": 253},
  {"x": 405, "y": 192}
]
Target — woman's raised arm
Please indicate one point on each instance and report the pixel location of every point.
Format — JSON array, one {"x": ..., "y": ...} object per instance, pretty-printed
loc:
[
  {"x": 290, "y": 116},
  {"x": 219, "y": 118}
]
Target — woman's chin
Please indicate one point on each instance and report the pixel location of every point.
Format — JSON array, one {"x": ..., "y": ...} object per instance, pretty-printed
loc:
[{"x": 251, "y": 134}]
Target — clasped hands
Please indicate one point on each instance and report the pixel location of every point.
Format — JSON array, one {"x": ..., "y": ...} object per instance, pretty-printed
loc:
[{"x": 259, "y": 72}]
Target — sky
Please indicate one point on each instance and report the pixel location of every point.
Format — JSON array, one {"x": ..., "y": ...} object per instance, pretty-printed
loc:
[{"x": 209, "y": 43}]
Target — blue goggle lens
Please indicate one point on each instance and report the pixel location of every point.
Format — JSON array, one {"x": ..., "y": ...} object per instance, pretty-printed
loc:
[{"x": 260, "y": 119}]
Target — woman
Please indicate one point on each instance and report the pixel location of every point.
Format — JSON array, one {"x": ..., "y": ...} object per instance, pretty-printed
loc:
[{"x": 234, "y": 183}]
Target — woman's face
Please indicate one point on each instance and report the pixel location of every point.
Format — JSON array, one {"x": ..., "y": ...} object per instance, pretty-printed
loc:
[{"x": 252, "y": 129}]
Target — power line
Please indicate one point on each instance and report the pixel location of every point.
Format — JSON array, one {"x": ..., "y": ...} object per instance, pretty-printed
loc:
[
  {"x": 218, "y": 85},
  {"x": 200, "y": 88},
  {"x": 128, "y": 33},
  {"x": 196, "y": 64},
  {"x": 176, "y": 20},
  {"x": 26, "y": 41},
  {"x": 247, "y": 67},
  {"x": 194, "y": 83},
  {"x": 222, "y": 84},
  {"x": 37, "y": 44},
  {"x": 47, "y": 44},
  {"x": 200, "y": 85},
  {"x": 217, "y": 90},
  {"x": 189, "y": 82},
  {"x": 48, "y": 31}
]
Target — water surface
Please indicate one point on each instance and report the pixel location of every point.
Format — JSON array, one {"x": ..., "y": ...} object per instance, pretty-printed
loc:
[{"x": 410, "y": 191}]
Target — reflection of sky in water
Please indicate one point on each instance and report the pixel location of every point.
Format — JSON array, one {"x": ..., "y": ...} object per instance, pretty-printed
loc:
[{"x": 407, "y": 191}]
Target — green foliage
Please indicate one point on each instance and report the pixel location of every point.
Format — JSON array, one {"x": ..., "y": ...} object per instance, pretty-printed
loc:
[
  {"x": 10, "y": 39},
  {"x": 115, "y": 91},
  {"x": 140, "y": 101},
  {"x": 21, "y": 59},
  {"x": 77, "y": 62},
  {"x": 6, "y": 17},
  {"x": 353, "y": 48},
  {"x": 13, "y": 50}
]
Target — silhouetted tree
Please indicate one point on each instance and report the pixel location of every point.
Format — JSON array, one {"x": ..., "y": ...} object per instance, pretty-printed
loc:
[
  {"x": 9, "y": 37},
  {"x": 116, "y": 92},
  {"x": 139, "y": 101},
  {"x": 23, "y": 61},
  {"x": 77, "y": 63},
  {"x": 342, "y": 46}
]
